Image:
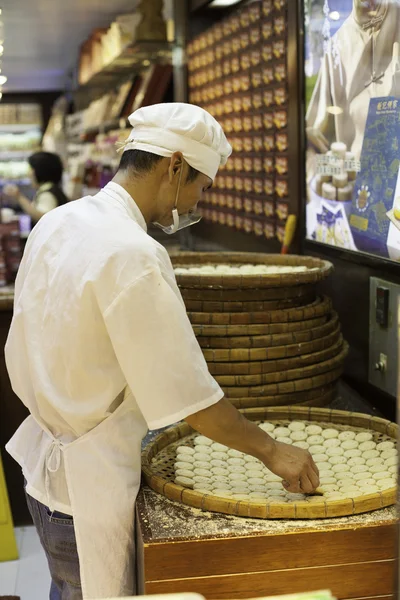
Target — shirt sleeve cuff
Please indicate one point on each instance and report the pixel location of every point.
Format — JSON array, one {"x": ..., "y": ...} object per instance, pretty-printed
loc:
[{"x": 186, "y": 412}]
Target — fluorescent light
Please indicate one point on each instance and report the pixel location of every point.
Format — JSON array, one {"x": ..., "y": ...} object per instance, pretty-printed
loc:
[
  {"x": 334, "y": 110},
  {"x": 334, "y": 15},
  {"x": 3, "y": 79},
  {"x": 1, "y": 49},
  {"x": 220, "y": 3}
]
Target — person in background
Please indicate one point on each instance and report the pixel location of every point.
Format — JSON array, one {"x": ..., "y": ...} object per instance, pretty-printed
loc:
[
  {"x": 46, "y": 172},
  {"x": 101, "y": 349}
]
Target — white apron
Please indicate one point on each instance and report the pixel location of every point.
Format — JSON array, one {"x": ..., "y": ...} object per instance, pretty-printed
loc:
[{"x": 102, "y": 470}]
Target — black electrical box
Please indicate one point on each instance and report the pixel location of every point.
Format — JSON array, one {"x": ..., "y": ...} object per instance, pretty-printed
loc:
[{"x": 382, "y": 306}]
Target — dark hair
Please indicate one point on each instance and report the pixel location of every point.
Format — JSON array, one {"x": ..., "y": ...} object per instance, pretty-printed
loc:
[
  {"x": 47, "y": 167},
  {"x": 144, "y": 162}
]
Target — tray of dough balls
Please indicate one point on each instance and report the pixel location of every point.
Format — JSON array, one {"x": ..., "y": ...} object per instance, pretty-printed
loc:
[
  {"x": 356, "y": 455},
  {"x": 233, "y": 270}
]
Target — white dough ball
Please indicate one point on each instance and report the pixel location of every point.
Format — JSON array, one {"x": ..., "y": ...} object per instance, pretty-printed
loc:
[
  {"x": 385, "y": 446},
  {"x": 240, "y": 497},
  {"x": 201, "y": 464},
  {"x": 370, "y": 454},
  {"x": 274, "y": 485},
  {"x": 334, "y": 451},
  {"x": 369, "y": 489},
  {"x": 282, "y": 432},
  {"x": 330, "y": 433},
  {"x": 338, "y": 460},
  {"x": 184, "y": 450},
  {"x": 251, "y": 474},
  {"x": 327, "y": 480},
  {"x": 352, "y": 453},
  {"x": 393, "y": 469},
  {"x": 302, "y": 445},
  {"x": 184, "y": 481},
  {"x": 381, "y": 475},
  {"x": 291, "y": 497},
  {"x": 239, "y": 487},
  {"x": 249, "y": 458},
  {"x": 216, "y": 447},
  {"x": 218, "y": 463},
  {"x": 237, "y": 477},
  {"x": 360, "y": 469},
  {"x": 360, "y": 476},
  {"x": 376, "y": 468},
  {"x": 374, "y": 461},
  {"x": 330, "y": 487},
  {"x": 220, "y": 471},
  {"x": 267, "y": 427},
  {"x": 340, "y": 468},
  {"x": 365, "y": 446},
  {"x": 203, "y": 449},
  {"x": 202, "y": 472},
  {"x": 190, "y": 458},
  {"x": 275, "y": 493},
  {"x": 254, "y": 466},
  {"x": 184, "y": 465},
  {"x": 257, "y": 495},
  {"x": 256, "y": 481},
  {"x": 313, "y": 429},
  {"x": 202, "y": 488},
  {"x": 334, "y": 495},
  {"x": 258, "y": 488},
  {"x": 357, "y": 460},
  {"x": 183, "y": 473},
  {"x": 364, "y": 436},
  {"x": 349, "y": 445},
  {"x": 235, "y": 453},
  {"x": 326, "y": 473},
  {"x": 314, "y": 440},
  {"x": 297, "y": 426},
  {"x": 202, "y": 440},
  {"x": 349, "y": 488},
  {"x": 385, "y": 484},
  {"x": 346, "y": 435},
  {"x": 219, "y": 456},
  {"x": 272, "y": 477},
  {"x": 316, "y": 449},
  {"x": 236, "y": 469},
  {"x": 320, "y": 458},
  {"x": 222, "y": 493},
  {"x": 202, "y": 479},
  {"x": 202, "y": 456},
  {"x": 298, "y": 436},
  {"x": 324, "y": 466},
  {"x": 332, "y": 443},
  {"x": 221, "y": 485},
  {"x": 237, "y": 462}
]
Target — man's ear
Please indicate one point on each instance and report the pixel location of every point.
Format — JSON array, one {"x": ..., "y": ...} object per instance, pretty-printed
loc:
[{"x": 176, "y": 163}]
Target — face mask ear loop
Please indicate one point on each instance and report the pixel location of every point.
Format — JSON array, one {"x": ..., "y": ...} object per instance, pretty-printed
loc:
[{"x": 178, "y": 189}]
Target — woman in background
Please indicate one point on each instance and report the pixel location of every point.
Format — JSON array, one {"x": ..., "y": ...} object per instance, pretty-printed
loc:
[{"x": 47, "y": 170}]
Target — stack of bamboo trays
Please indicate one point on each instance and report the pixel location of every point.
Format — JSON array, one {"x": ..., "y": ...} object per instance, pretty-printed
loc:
[{"x": 269, "y": 339}]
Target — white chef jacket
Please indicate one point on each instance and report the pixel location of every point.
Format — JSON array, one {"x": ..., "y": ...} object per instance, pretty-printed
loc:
[{"x": 97, "y": 315}]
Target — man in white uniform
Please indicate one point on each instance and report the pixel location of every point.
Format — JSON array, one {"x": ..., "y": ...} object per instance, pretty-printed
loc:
[{"x": 100, "y": 350}]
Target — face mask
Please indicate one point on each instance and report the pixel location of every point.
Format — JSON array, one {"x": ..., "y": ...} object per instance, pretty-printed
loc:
[{"x": 179, "y": 221}]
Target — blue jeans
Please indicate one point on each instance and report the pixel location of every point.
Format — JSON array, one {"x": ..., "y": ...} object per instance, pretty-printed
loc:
[{"x": 57, "y": 536}]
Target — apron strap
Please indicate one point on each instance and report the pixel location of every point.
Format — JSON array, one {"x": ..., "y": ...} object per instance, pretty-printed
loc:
[{"x": 52, "y": 464}]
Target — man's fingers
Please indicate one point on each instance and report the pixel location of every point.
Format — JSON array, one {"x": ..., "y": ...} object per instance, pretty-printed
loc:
[
  {"x": 306, "y": 485},
  {"x": 314, "y": 467},
  {"x": 292, "y": 486},
  {"x": 314, "y": 478}
]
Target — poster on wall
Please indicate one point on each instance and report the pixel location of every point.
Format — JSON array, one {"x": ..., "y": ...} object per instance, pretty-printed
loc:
[{"x": 352, "y": 121}]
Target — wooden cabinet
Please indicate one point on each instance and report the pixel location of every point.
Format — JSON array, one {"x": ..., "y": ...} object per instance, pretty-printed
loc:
[{"x": 180, "y": 549}]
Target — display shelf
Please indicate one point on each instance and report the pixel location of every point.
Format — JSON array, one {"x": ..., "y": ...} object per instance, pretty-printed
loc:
[
  {"x": 16, "y": 154},
  {"x": 132, "y": 58},
  {"x": 19, "y": 127}
]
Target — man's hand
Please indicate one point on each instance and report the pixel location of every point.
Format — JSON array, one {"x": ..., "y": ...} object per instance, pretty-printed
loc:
[
  {"x": 295, "y": 466},
  {"x": 223, "y": 423}
]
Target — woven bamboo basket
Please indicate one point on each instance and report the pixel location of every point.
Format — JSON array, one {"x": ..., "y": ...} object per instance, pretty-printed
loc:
[
  {"x": 273, "y": 339},
  {"x": 321, "y": 396},
  {"x": 159, "y": 457},
  {"x": 317, "y": 270}
]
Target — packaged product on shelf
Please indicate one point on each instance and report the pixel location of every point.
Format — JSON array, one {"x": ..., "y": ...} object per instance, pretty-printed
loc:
[
  {"x": 279, "y": 25},
  {"x": 281, "y": 165},
  {"x": 269, "y": 230},
  {"x": 280, "y": 72},
  {"x": 268, "y": 98},
  {"x": 268, "y": 186},
  {"x": 266, "y": 30},
  {"x": 280, "y": 119},
  {"x": 258, "y": 228},
  {"x": 267, "y": 7},
  {"x": 258, "y": 207},
  {"x": 269, "y": 208},
  {"x": 282, "y": 141},
  {"x": 281, "y": 187},
  {"x": 279, "y": 49},
  {"x": 280, "y": 96},
  {"x": 282, "y": 210}
]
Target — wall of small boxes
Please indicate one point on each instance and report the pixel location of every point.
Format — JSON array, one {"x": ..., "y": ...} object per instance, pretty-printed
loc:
[{"x": 238, "y": 72}]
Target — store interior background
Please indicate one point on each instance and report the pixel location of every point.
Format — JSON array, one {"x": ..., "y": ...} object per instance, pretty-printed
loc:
[{"x": 41, "y": 68}]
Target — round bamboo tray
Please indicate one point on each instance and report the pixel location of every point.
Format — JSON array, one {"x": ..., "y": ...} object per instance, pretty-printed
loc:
[
  {"x": 317, "y": 270},
  {"x": 159, "y": 457},
  {"x": 275, "y": 366},
  {"x": 274, "y": 352},
  {"x": 246, "y": 295},
  {"x": 254, "y": 385},
  {"x": 254, "y": 330},
  {"x": 321, "y": 396},
  {"x": 287, "y": 387},
  {"x": 318, "y": 308},
  {"x": 274, "y": 339},
  {"x": 257, "y": 306}
]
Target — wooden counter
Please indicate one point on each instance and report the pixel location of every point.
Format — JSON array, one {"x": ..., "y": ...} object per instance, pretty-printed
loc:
[{"x": 181, "y": 549}]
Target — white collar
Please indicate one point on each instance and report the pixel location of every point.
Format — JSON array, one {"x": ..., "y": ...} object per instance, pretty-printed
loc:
[{"x": 118, "y": 193}]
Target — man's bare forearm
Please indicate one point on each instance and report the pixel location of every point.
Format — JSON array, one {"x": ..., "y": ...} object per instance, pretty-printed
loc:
[{"x": 223, "y": 423}]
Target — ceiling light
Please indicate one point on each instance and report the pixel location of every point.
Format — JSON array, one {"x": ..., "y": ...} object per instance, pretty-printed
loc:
[
  {"x": 221, "y": 3},
  {"x": 334, "y": 110},
  {"x": 334, "y": 15},
  {"x": 1, "y": 49},
  {"x": 3, "y": 79}
]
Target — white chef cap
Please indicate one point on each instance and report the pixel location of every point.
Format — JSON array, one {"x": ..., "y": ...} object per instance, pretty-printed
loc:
[{"x": 163, "y": 129}]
